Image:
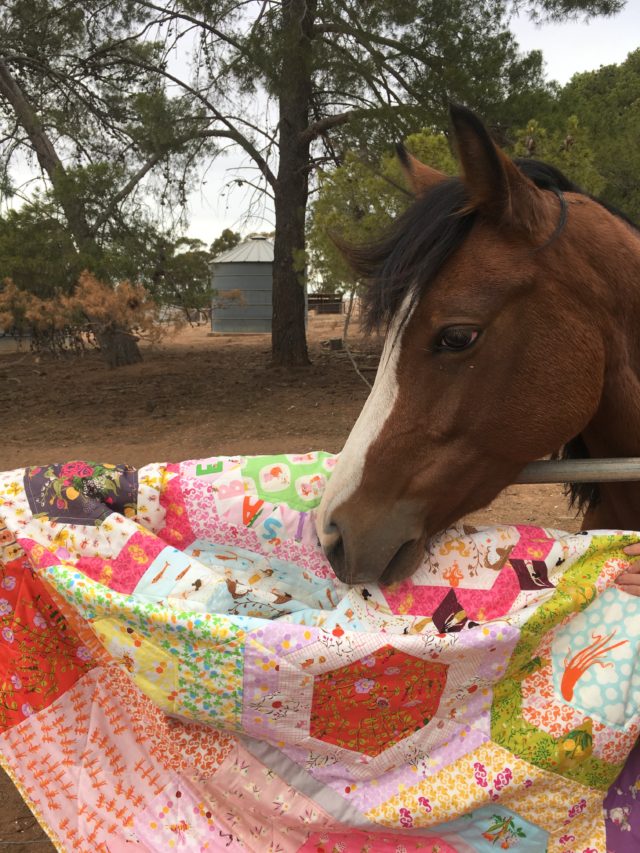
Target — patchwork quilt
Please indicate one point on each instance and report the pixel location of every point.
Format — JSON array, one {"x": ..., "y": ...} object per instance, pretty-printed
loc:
[{"x": 181, "y": 670}]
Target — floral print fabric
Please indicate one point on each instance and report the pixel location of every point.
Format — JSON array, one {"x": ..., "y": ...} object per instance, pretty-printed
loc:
[{"x": 175, "y": 638}]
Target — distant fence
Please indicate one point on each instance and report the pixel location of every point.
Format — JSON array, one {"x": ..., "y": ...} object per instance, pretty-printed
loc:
[
  {"x": 13, "y": 342},
  {"x": 325, "y": 303},
  {"x": 193, "y": 316}
]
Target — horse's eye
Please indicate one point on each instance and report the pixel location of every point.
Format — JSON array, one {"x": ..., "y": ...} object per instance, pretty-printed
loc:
[{"x": 456, "y": 338}]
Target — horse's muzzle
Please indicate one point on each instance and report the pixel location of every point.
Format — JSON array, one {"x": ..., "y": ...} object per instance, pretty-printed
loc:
[{"x": 383, "y": 550}]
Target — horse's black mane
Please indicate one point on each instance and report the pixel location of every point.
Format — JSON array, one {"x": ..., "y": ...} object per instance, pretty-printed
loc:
[{"x": 404, "y": 261}]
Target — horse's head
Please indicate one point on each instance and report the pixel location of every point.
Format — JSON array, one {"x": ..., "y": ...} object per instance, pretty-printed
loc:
[{"x": 492, "y": 357}]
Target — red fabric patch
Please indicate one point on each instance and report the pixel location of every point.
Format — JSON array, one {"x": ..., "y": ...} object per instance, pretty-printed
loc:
[
  {"x": 177, "y": 530},
  {"x": 377, "y": 701},
  {"x": 40, "y": 657}
]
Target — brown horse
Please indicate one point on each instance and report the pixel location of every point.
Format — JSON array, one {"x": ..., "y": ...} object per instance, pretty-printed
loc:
[{"x": 512, "y": 301}]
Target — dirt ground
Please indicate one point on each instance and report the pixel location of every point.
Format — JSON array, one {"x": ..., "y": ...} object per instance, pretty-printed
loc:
[{"x": 196, "y": 396}]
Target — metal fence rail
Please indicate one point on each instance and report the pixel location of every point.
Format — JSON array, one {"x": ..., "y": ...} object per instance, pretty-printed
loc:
[{"x": 581, "y": 471}]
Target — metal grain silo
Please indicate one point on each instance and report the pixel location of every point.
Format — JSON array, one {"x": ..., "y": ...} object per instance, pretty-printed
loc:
[{"x": 242, "y": 281}]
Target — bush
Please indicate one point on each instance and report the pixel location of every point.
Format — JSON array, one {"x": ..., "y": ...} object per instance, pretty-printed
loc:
[{"x": 95, "y": 315}]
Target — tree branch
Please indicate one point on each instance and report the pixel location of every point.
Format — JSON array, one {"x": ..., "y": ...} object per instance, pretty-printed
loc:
[
  {"x": 45, "y": 152},
  {"x": 322, "y": 125},
  {"x": 48, "y": 158},
  {"x": 183, "y": 16},
  {"x": 376, "y": 85},
  {"x": 146, "y": 167},
  {"x": 231, "y": 133},
  {"x": 366, "y": 38},
  {"x": 127, "y": 189}
]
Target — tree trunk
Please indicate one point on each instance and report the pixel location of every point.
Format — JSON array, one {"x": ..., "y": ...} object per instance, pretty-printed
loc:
[
  {"x": 118, "y": 346},
  {"x": 288, "y": 337},
  {"x": 122, "y": 347},
  {"x": 288, "y": 333},
  {"x": 47, "y": 157}
]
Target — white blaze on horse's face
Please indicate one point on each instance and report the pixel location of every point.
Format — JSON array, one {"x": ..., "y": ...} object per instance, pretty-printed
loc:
[{"x": 377, "y": 409}]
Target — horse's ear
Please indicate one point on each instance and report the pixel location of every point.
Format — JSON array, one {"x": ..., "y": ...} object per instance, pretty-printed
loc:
[
  {"x": 419, "y": 177},
  {"x": 498, "y": 188}
]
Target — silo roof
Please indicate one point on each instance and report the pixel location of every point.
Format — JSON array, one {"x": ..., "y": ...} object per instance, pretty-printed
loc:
[{"x": 255, "y": 250}]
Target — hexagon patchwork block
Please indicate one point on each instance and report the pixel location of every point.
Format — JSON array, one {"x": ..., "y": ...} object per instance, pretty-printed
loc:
[{"x": 376, "y": 701}]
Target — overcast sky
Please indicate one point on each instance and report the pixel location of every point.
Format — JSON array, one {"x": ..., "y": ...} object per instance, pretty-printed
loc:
[
  {"x": 572, "y": 47},
  {"x": 567, "y": 48}
]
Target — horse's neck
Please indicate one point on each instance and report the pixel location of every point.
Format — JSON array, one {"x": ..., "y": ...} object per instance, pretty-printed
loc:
[{"x": 615, "y": 429}]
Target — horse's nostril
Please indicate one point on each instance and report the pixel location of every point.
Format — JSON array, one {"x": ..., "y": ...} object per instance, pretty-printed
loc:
[
  {"x": 336, "y": 555},
  {"x": 330, "y": 535}
]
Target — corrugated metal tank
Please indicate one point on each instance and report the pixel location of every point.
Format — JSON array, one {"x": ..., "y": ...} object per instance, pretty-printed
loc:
[{"x": 242, "y": 282}]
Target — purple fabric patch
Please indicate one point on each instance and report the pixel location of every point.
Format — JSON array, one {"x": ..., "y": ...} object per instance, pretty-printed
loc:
[
  {"x": 81, "y": 492},
  {"x": 622, "y": 807}
]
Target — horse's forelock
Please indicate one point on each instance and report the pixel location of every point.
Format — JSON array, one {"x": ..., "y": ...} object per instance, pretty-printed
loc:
[{"x": 410, "y": 252}]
